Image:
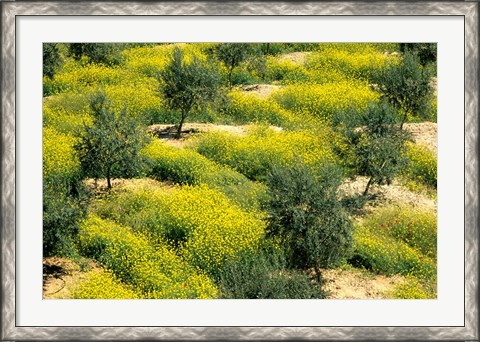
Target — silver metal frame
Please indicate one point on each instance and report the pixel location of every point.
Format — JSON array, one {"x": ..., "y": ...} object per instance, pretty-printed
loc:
[{"x": 12, "y": 9}]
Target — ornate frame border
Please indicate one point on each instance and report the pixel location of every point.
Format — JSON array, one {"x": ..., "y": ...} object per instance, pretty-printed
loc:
[{"x": 11, "y": 9}]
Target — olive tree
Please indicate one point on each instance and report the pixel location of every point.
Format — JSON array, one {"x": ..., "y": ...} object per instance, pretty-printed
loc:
[
  {"x": 374, "y": 143},
  {"x": 188, "y": 85},
  {"x": 110, "y": 147},
  {"x": 232, "y": 54},
  {"x": 306, "y": 216},
  {"x": 407, "y": 86}
]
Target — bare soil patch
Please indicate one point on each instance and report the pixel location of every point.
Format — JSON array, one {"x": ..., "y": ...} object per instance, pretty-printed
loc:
[
  {"x": 358, "y": 284},
  {"x": 99, "y": 186},
  {"x": 424, "y": 133},
  {"x": 61, "y": 275},
  {"x": 394, "y": 193},
  {"x": 164, "y": 132},
  {"x": 295, "y": 57},
  {"x": 261, "y": 90}
]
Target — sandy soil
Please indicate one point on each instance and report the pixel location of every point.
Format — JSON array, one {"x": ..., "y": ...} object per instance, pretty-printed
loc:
[
  {"x": 296, "y": 57},
  {"x": 167, "y": 132},
  {"x": 60, "y": 275},
  {"x": 358, "y": 284},
  {"x": 387, "y": 194},
  {"x": 261, "y": 90},
  {"x": 424, "y": 133}
]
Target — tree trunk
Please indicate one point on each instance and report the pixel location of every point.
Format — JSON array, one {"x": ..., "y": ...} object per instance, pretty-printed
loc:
[
  {"x": 403, "y": 120},
  {"x": 318, "y": 275},
  {"x": 109, "y": 183},
  {"x": 230, "y": 76},
  {"x": 179, "y": 128},
  {"x": 368, "y": 186}
]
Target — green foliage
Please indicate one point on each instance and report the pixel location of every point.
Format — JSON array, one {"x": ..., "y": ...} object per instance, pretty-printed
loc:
[
  {"x": 305, "y": 214},
  {"x": 407, "y": 86},
  {"x": 62, "y": 211},
  {"x": 422, "y": 166},
  {"x": 398, "y": 240},
  {"x": 264, "y": 275},
  {"x": 414, "y": 288},
  {"x": 62, "y": 207},
  {"x": 375, "y": 146},
  {"x": 325, "y": 100},
  {"x": 232, "y": 54},
  {"x": 154, "y": 269},
  {"x": 103, "y": 284},
  {"x": 184, "y": 166},
  {"x": 110, "y": 147},
  {"x": 256, "y": 153},
  {"x": 352, "y": 64},
  {"x": 188, "y": 86},
  {"x": 51, "y": 59},
  {"x": 98, "y": 53},
  {"x": 426, "y": 52},
  {"x": 202, "y": 223},
  {"x": 245, "y": 108}
]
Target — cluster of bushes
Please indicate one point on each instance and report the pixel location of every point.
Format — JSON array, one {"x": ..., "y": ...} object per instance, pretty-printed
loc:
[
  {"x": 103, "y": 284},
  {"x": 254, "y": 215},
  {"x": 202, "y": 221},
  {"x": 325, "y": 100},
  {"x": 257, "y": 152},
  {"x": 62, "y": 207},
  {"x": 422, "y": 167},
  {"x": 398, "y": 240},
  {"x": 244, "y": 108},
  {"x": 185, "y": 166},
  {"x": 153, "y": 269}
]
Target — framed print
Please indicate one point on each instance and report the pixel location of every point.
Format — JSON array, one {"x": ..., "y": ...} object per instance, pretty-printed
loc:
[{"x": 239, "y": 170}]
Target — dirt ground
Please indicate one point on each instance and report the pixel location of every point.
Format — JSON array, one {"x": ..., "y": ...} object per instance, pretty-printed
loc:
[
  {"x": 295, "y": 57},
  {"x": 424, "y": 133},
  {"x": 261, "y": 90},
  {"x": 60, "y": 275},
  {"x": 166, "y": 132},
  {"x": 358, "y": 284}
]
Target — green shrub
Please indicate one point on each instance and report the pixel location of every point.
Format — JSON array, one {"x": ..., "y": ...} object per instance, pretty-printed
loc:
[
  {"x": 246, "y": 108},
  {"x": 407, "y": 86},
  {"x": 262, "y": 275},
  {"x": 62, "y": 212},
  {"x": 51, "y": 59},
  {"x": 422, "y": 166},
  {"x": 99, "y": 53},
  {"x": 398, "y": 241},
  {"x": 325, "y": 100},
  {"x": 375, "y": 144},
  {"x": 202, "y": 223},
  {"x": 103, "y": 284},
  {"x": 426, "y": 52},
  {"x": 358, "y": 64},
  {"x": 413, "y": 288},
  {"x": 154, "y": 270},
  {"x": 184, "y": 166},
  {"x": 305, "y": 214},
  {"x": 61, "y": 198},
  {"x": 262, "y": 148},
  {"x": 110, "y": 146},
  {"x": 285, "y": 71}
]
